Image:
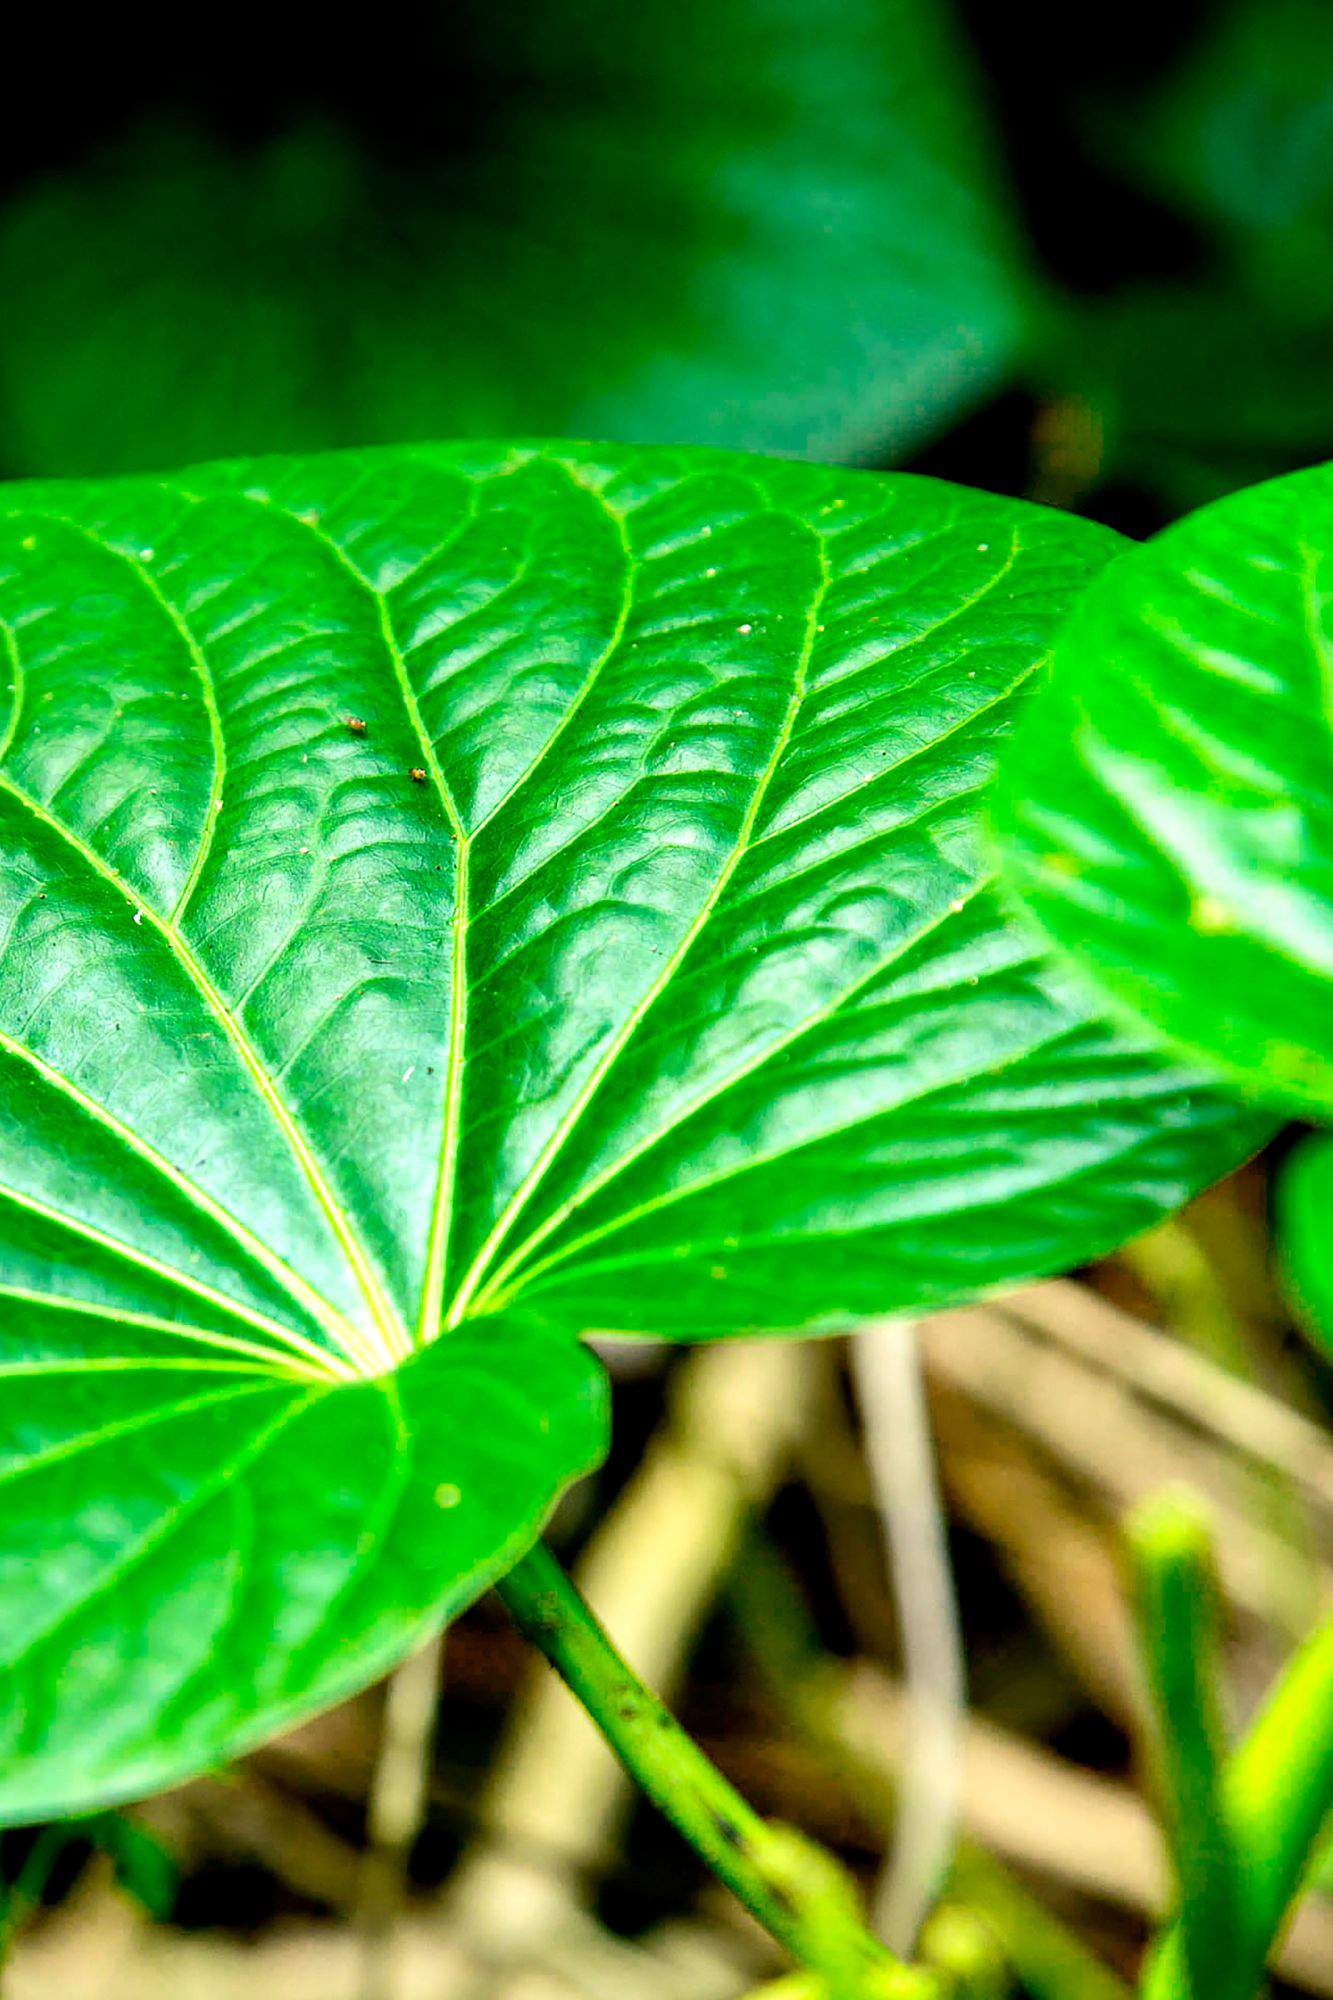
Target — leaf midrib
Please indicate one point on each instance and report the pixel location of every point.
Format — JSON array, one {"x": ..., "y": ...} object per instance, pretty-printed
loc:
[
  {"x": 431, "y": 1310},
  {"x": 558, "y": 1138},
  {"x": 442, "y": 1203}
]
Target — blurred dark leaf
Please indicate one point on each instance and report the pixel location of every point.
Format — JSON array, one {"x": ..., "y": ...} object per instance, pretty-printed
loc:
[
  {"x": 1199, "y": 386},
  {"x": 1242, "y": 136},
  {"x": 1195, "y": 391},
  {"x": 762, "y": 223}
]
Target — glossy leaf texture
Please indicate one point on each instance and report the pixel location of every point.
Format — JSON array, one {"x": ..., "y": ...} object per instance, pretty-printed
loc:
[
  {"x": 1167, "y": 808},
  {"x": 766, "y": 224},
  {"x": 452, "y": 898}
]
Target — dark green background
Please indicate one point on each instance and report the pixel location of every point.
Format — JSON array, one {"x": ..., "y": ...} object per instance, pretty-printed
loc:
[{"x": 1086, "y": 260}]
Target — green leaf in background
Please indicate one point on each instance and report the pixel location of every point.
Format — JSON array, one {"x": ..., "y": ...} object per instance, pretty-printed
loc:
[
  {"x": 1167, "y": 808},
  {"x": 1221, "y": 378},
  {"x": 450, "y": 898},
  {"x": 144, "y": 1868},
  {"x": 1196, "y": 390},
  {"x": 1243, "y": 137},
  {"x": 771, "y": 224},
  {"x": 1305, "y": 1232}
]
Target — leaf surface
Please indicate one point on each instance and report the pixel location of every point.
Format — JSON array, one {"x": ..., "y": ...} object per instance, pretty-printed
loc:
[
  {"x": 1168, "y": 806},
  {"x": 452, "y": 898},
  {"x": 769, "y": 224}
]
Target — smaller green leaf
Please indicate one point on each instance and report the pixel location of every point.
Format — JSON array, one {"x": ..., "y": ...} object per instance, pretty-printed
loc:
[
  {"x": 181, "y": 1541},
  {"x": 143, "y": 1867},
  {"x": 1170, "y": 1548},
  {"x": 1167, "y": 805},
  {"x": 1278, "y": 1794},
  {"x": 1305, "y": 1237}
]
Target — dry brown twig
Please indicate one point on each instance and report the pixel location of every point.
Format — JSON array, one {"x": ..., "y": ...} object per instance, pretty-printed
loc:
[{"x": 395, "y": 1809}]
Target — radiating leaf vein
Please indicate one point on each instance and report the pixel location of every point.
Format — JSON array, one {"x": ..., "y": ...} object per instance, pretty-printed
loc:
[
  {"x": 572, "y": 1117},
  {"x": 371, "y": 1284}
]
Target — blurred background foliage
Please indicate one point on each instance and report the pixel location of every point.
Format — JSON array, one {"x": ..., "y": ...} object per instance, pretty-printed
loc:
[
  {"x": 768, "y": 224},
  {"x": 826, "y": 228},
  {"x": 1084, "y": 255}
]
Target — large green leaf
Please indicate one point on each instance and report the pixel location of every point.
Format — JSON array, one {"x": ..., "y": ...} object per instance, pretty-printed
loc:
[
  {"x": 450, "y": 898},
  {"x": 759, "y": 223},
  {"x": 1168, "y": 806}
]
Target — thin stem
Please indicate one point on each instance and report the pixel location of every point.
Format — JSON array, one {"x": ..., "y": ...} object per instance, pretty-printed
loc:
[
  {"x": 1278, "y": 1793},
  {"x": 900, "y": 1455},
  {"x": 1172, "y": 1554},
  {"x": 794, "y": 1889}
]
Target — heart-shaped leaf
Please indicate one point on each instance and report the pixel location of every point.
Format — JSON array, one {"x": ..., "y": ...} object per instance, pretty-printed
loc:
[
  {"x": 1168, "y": 806},
  {"x": 757, "y": 223},
  {"x": 450, "y": 898}
]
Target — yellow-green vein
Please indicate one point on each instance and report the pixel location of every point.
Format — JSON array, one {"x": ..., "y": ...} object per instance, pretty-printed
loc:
[
  {"x": 559, "y": 1136},
  {"x": 437, "y": 1246},
  {"x": 170, "y": 1274},
  {"x": 390, "y": 1340}
]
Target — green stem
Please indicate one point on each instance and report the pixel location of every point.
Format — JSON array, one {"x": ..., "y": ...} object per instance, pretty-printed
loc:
[
  {"x": 1278, "y": 1794},
  {"x": 794, "y": 1888},
  {"x": 1172, "y": 1554}
]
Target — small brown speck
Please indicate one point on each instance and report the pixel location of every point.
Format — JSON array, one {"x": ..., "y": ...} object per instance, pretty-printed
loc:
[
  {"x": 417, "y": 775},
  {"x": 356, "y": 725}
]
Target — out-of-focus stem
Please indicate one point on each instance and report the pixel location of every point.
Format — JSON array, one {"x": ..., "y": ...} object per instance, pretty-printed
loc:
[
  {"x": 900, "y": 1454},
  {"x": 397, "y": 1802},
  {"x": 1278, "y": 1795},
  {"x": 1171, "y": 1551}
]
